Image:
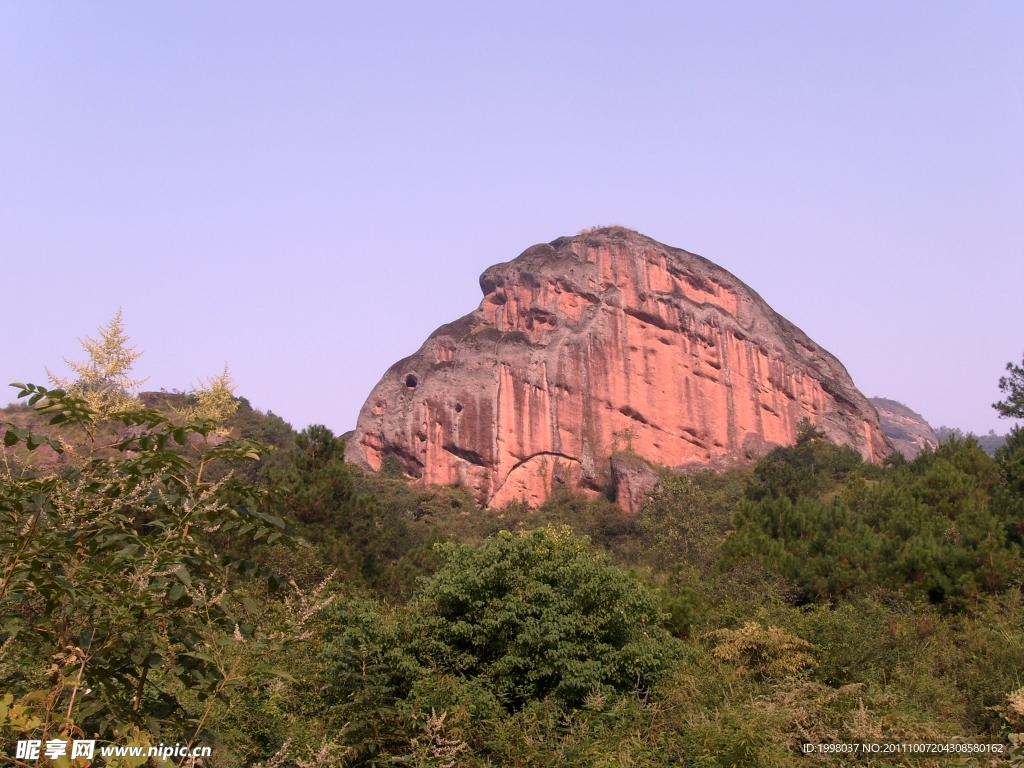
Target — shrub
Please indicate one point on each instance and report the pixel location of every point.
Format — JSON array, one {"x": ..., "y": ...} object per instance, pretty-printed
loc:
[
  {"x": 539, "y": 615},
  {"x": 770, "y": 652}
]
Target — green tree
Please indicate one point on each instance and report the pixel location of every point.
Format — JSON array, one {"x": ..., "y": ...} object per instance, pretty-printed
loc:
[
  {"x": 932, "y": 528},
  {"x": 317, "y": 485},
  {"x": 354, "y": 532},
  {"x": 115, "y": 601},
  {"x": 810, "y": 467},
  {"x": 1011, "y": 462},
  {"x": 537, "y": 615},
  {"x": 1013, "y": 387},
  {"x": 679, "y": 524},
  {"x": 1010, "y": 456},
  {"x": 534, "y": 618},
  {"x": 369, "y": 672}
]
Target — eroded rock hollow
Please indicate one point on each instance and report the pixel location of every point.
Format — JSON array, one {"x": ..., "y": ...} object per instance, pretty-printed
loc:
[{"x": 604, "y": 342}]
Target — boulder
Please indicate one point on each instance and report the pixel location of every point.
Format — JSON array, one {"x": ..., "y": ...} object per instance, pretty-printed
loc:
[{"x": 633, "y": 479}]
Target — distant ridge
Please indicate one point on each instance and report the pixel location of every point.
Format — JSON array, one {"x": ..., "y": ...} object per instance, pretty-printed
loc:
[
  {"x": 910, "y": 433},
  {"x": 989, "y": 443},
  {"x": 907, "y": 429}
]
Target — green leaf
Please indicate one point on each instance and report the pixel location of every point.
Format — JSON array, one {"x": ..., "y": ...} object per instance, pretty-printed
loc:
[
  {"x": 201, "y": 656},
  {"x": 175, "y": 593},
  {"x": 277, "y": 673},
  {"x": 183, "y": 575},
  {"x": 65, "y": 585},
  {"x": 250, "y": 604}
]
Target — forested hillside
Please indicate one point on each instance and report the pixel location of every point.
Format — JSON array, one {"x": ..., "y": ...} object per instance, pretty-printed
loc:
[
  {"x": 183, "y": 568},
  {"x": 989, "y": 443}
]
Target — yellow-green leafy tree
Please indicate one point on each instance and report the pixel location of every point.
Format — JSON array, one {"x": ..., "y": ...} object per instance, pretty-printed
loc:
[
  {"x": 122, "y": 617},
  {"x": 103, "y": 380},
  {"x": 213, "y": 400}
]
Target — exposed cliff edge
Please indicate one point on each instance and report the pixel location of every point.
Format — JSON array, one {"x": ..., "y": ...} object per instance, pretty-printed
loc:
[
  {"x": 595, "y": 343},
  {"x": 906, "y": 429}
]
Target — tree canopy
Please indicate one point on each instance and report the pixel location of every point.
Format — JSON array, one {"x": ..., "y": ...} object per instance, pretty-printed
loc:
[
  {"x": 103, "y": 380},
  {"x": 1013, "y": 387}
]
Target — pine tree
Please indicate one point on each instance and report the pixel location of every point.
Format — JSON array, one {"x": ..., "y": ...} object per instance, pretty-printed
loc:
[{"x": 1013, "y": 386}]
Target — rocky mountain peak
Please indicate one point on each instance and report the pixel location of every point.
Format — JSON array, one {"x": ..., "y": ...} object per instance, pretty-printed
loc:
[{"x": 598, "y": 343}]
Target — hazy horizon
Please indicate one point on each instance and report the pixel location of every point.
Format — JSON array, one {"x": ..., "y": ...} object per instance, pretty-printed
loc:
[{"x": 307, "y": 192}]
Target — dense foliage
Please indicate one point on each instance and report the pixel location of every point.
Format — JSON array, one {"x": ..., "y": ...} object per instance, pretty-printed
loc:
[
  {"x": 538, "y": 615},
  {"x": 117, "y": 610},
  {"x": 808, "y": 598},
  {"x": 935, "y": 528}
]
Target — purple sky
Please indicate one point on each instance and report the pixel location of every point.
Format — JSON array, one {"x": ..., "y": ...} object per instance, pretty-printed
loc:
[{"x": 307, "y": 190}]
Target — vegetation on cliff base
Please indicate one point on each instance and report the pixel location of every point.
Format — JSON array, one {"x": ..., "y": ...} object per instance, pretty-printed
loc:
[
  {"x": 931, "y": 529},
  {"x": 737, "y": 616}
]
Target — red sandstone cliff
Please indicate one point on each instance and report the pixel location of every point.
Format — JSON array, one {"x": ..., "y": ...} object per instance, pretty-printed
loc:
[{"x": 600, "y": 342}]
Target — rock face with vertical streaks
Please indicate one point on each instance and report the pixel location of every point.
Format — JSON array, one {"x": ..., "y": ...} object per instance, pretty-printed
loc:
[{"x": 593, "y": 344}]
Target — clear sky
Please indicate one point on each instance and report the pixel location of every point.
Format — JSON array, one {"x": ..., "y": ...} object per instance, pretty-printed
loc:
[{"x": 306, "y": 190}]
